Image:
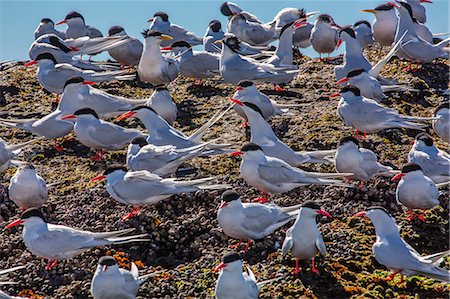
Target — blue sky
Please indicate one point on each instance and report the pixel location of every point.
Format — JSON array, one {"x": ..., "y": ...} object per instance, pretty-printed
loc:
[{"x": 18, "y": 19}]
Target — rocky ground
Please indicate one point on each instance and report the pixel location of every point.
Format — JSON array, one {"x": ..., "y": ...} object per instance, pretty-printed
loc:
[{"x": 186, "y": 242}]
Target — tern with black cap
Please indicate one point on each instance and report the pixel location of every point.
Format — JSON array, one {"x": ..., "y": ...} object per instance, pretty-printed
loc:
[
  {"x": 47, "y": 26},
  {"x": 271, "y": 175},
  {"x": 363, "y": 31},
  {"x": 112, "y": 282},
  {"x": 76, "y": 26},
  {"x": 303, "y": 239},
  {"x": 213, "y": 33},
  {"x": 324, "y": 35},
  {"x": 129, "y": 53},
  {"x": 234, "y": 283},
  {"x": 251, "y": 221},
  {"x": 138, "y": 188},
  {"x": 366, "y": 115},
  {"x": 435, "y": 163},
  {"x": 59, "y": 242},
  {"x": 99, "y": 134},
  {"x": 153, "y": 67}
]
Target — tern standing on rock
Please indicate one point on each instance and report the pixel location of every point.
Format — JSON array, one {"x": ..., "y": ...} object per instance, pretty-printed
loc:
[
  {"x": 324, "y": 35},
  {"x": 129, "y": 53},
  {"x": 235, "y": 284},
  {"x": 263, "y": 135},
  {"x": 435, "y": 163},
  {"x": 27, "y": 189},
  {"x": 112, "y": 282},
  {"x": 138, "y": 188},
  {"x": 99, "y": 134},
  {"x": 366, "y": 115},
  {"x": 58, "y": 242},
  {"x": 76, "y": 26},
  {"x": 303, "y": 239},
  {"x": 161, "y": 160},
  {"x": 415, "y": 190},
  {"x": 251, "y": 221},
  {"x": 385, "y": 24},
  {"x": 163, "y": 104},
  {"x": 442, "y": 125},
  {"x": 394, "y": 253},
  {"x": 153, "y": 67},
  {"x": 360, "y": 161},
  {"x": 271, "y": 175}
]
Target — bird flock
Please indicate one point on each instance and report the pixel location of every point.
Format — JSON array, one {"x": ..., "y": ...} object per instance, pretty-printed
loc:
[{"x": 249, "y": 52}]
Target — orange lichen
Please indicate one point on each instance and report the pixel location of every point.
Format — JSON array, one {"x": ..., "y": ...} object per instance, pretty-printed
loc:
[{"x": 29, "y": 294}]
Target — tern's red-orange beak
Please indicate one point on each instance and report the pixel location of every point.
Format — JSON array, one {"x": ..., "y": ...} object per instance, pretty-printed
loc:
[
  {"x": 398, "y": 177},
  {"x": 343, "y": 80},
  {"x": 323, "y": 213},
  {"x": 166, "y": 48},
  {"x": 98, "y": 178},
  {"x": 339, "y": 43},
  {"x": 426, "y": 1},
  {"x": 412, "y": 142},
  {"x": 68, "y": 116},
  {"x": 89, "y": 83},
  {"x": 74, "y": 48},
  {"x": 15, "y": 223},
  {"x": 29, "y": 63},
  {"x": 360, "y": 214},
  {"x": 239, "y": 88},
  {"x": 218, "y": 268},
  {"x": 126, "y": 115},
  {"x": 237, "y": 153},
  {"x": 61, "y": 22},
  {"x": 151, "y": 20},
  {"x": 334, "y": 95},
  {"x": 237, "y": 102},
  {"x": 299, "y": 24},
  {"x": 394, "y": 4},
  {"x": 223, "y": 205}
]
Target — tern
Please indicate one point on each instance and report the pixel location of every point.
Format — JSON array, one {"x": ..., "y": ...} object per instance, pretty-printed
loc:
[
  {"x": 363, "y": 31},
  {"x": 112, "y": 282},
  {"x": 163, "y": 104},
  {"x": 27, "y": 189},
  {"x": 235, "y": 68},
  {"x": 160, "y": 22},
  {"x": 366, "y": 115},
  {"x": 415, "y": 190},
  {"x": 79, "y": 93},
  {"x": 394, "y": 253},
  {"x": 435, "y": 163},
  {"x": 99, "y": 134},
  {"x": 195, "y": 64},
  {"x": 76, "y": 26},
  {"x": 303, "y": 239},
  {"x": 47, "y": 26},
  {"x": 138, "y": 188},
  {"x": 153, "y": 67},
  {"x": 442, "y": 125},
  {"x": 53, "y": 76},
  {"x": 362, "y": 162},
  {"x": 213, "y": 33},
  {"x": 246, "y": 221},
  {"x": 229, "y": 9},
  {"x": 255, "y": 34},
  {"x": 233, "y": 283},
  {"x": 414, "y": 48},
  {"x": 271, "y": 175},
  {"x": 263, "y": 135},
  {"x": 246, "y": 91},
  {"x": 384, "y": 26},
  {"x": 161, "y": 133},
  {"x": 127, "y": 54},
  {"x": 8, "y": 152},
  {"x": 324, "y": 35},
  {"x": 161, "y": 160},
  {"x": 59, "y": 242}
]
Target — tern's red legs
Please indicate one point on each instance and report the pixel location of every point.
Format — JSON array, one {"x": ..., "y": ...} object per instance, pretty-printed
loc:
[{"x": 134, "y": 212}]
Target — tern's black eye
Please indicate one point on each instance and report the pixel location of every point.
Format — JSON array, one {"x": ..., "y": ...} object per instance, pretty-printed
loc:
[
  {"x": 73, "y": 14},
  {"x": 113, "y": 168},
  {"x": 162, "y": 15},
  {"x": 425, "y": 138},
  {"x": 410, "y": 167},
  {"x": 114, "y": 30},
  {"x": 250, "y": 146},
  {"x": 348, "y": 139},
  {"x": 107, "y": 261},
  {"x": 311, "y": 204},
  {"x": 231, "y": 257},
  {"x": 230, "y": 195}
]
